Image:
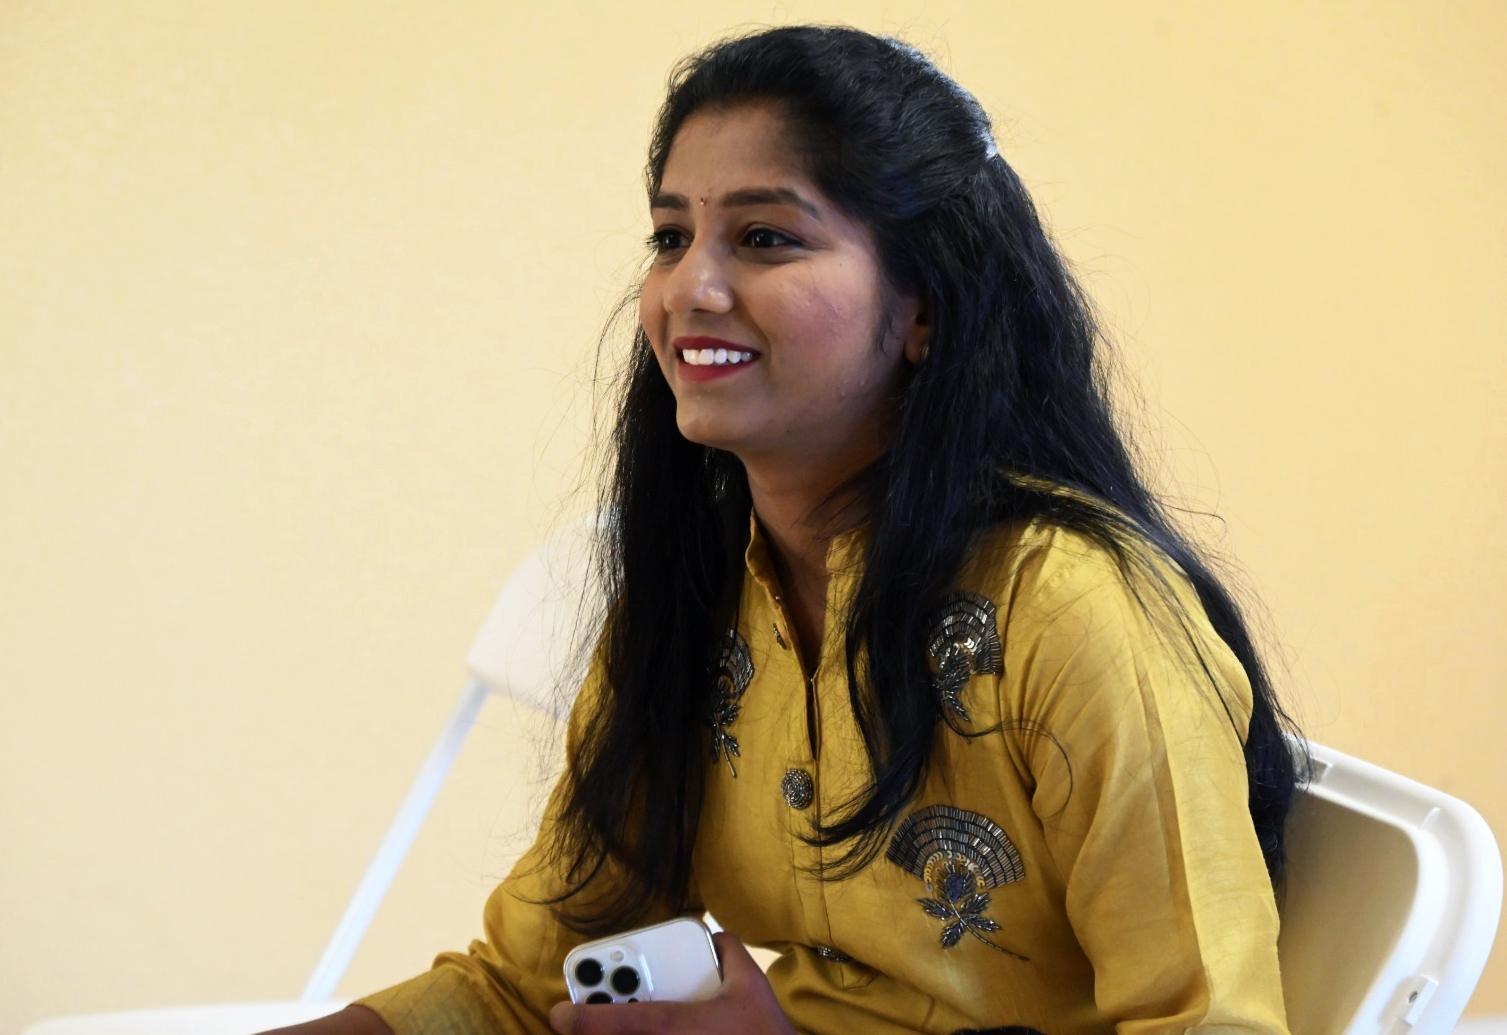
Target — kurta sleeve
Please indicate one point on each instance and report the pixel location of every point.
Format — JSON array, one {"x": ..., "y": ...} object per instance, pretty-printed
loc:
[
  {"x": 507, "y": 981},
  {"x": 1142, "y": 795}
]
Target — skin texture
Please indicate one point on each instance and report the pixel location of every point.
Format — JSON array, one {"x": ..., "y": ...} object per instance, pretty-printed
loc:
[
  {"x": 805, "y": 290},
  {"x": 745, "y": 1006}
]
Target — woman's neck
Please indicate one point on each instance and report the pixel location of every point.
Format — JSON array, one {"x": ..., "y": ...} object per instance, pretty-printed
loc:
[
  {"x": 800, "y": 511},
  {"x": 799, "y": 548}
]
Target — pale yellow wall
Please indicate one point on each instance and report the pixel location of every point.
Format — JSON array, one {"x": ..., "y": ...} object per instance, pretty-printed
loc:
[{"x": 297, "y": 302}]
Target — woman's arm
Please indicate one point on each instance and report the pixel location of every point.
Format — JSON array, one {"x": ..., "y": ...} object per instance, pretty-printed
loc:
[
  {"x": 353, "y": 1020},
  {"x": 1145, "y": 807}
]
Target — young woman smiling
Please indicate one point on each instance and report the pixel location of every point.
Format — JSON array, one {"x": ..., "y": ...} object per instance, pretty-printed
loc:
[{"x": 906, "y": 673}]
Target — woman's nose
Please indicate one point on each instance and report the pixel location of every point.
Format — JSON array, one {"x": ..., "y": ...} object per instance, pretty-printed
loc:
[{"x": 699, "y": 282}]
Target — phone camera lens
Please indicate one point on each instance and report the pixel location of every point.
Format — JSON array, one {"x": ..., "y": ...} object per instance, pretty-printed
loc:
[
  {"x": 625, "y": 980},
  {"x": 589, "y": 972},
  {"x": 599, "y": 997}
]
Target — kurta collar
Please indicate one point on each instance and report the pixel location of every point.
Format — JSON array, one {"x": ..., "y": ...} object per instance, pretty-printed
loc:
[{"x": 844, "y": 553}]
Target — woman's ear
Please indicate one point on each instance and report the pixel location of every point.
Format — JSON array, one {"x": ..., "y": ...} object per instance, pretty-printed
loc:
[{"x": 917, "y": 337}]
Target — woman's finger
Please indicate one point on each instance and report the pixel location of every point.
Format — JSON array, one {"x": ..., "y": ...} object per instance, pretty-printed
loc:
[{"x": 623, "y": 1019}]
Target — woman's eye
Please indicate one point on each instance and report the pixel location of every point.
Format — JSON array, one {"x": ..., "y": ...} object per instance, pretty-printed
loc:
[
  {"x": 766, "y": 233},
  {"x": 758, "y": 237},
  {"x": 657, "y": 242}
]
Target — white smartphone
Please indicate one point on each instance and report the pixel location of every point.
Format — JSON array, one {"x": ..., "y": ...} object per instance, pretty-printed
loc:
[{"x": 674, "y": 961}]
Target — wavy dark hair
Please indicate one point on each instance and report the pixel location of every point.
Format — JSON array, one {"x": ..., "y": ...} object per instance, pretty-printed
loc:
[{"x": 1014, "y": 384}]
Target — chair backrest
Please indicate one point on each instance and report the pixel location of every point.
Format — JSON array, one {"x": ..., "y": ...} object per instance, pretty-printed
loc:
[
  {"x": 526, "y": 648},
  {"x": 1392, "y": 900}
]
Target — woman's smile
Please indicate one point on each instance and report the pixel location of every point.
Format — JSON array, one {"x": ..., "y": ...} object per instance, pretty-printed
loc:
[{"x": 707, "y": 359}]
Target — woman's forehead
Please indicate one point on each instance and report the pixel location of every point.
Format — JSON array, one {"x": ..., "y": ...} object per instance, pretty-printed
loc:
[
  {"x": 723, "y": 160},
  {"x": 752, "y": 144}
]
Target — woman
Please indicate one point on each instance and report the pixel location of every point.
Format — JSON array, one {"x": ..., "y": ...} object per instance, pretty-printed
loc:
[{"x": 907, "y": 675}]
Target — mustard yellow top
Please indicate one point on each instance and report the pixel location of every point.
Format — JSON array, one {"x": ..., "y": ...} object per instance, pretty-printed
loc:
[{"x": 1089, "y": 866}]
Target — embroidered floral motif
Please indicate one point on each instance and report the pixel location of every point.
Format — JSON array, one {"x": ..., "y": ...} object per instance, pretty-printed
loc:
[
  {"x": 731, "y": 674},
  {"x": 961, "y": 856},
  {"x": 964, "y": 642}
]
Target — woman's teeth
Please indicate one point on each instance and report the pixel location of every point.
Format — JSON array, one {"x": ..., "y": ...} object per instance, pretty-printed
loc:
[{"x": 715, "y": 357}]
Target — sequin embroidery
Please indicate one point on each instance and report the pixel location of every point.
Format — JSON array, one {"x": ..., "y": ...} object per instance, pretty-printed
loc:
[
  {"x": 964, "y": 642},
  {"x": 732, "y": 673},
  {"x": 961, "y": 856}
]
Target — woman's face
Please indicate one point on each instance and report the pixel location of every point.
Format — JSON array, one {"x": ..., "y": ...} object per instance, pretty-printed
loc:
[{"x": 753, "y": 260}]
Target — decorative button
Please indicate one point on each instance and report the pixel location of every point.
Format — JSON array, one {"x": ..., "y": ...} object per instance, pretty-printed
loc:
[{"x": 797, "y": 788}]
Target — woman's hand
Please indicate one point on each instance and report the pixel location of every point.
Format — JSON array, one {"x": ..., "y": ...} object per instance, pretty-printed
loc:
[{"x": 745, "y": 1006}]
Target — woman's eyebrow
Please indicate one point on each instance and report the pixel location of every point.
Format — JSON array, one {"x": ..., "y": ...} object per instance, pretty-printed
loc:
[{"x": 745, "y": 196}]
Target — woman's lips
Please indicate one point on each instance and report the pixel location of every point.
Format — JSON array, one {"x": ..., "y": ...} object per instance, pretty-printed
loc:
[
  {"x": 709, "y": 371},
  {"x": 702, "y": 341}
]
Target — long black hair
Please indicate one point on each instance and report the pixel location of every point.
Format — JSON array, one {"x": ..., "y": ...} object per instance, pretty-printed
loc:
[{"x": 1014, "y": 385}]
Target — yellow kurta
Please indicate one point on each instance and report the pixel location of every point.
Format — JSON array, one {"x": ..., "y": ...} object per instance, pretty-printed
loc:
[{"x": 1105, "y": 821}]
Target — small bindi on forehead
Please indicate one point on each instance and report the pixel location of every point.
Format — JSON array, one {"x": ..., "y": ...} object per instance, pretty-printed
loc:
[{"x": 740, "y": 198}]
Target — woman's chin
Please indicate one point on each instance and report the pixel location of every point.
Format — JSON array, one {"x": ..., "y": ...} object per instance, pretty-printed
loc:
[{"x": 713, "y": 433}]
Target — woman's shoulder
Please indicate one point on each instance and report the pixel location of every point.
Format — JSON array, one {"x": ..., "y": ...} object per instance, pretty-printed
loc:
[
  {"x": 1098, "y": 599},
  {"x": 1037, "y": 574},
  {"x": 1079, "y": 544},
  {"x": 1089, "y": 567}
]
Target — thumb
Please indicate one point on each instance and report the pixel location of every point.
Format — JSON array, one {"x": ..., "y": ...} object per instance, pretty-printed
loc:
[{"x": 562, "y": 1017}]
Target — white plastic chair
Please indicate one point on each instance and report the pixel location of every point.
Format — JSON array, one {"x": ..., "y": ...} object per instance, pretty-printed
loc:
[{"x": 1393, "y": 895}]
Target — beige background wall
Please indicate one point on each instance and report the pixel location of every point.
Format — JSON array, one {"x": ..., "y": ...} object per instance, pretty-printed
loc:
[{"x": 297, "y": 305}]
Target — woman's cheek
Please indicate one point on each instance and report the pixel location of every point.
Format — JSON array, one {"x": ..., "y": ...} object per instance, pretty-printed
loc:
[
  {"x": 666, "y": 361},
  {"x": 650, "y": 314}
]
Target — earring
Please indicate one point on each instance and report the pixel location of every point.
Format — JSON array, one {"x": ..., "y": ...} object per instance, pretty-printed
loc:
[{"x": 925, "y": 350}]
